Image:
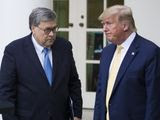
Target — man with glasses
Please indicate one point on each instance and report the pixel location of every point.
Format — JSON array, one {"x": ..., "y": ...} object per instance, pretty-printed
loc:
[{"x": 38, "y": 73}]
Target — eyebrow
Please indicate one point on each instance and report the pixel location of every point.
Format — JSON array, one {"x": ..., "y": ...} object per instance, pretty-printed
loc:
[{"x": 51, "y": 27}]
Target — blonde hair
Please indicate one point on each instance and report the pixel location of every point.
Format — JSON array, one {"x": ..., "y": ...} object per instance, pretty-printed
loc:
[{"x": 123, "y": 13}]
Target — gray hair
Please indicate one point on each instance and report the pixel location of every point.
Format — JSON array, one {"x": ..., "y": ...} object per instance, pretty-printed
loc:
[
  {"x": 124, "y": 13},
  {"x": 41, "y": 14}
]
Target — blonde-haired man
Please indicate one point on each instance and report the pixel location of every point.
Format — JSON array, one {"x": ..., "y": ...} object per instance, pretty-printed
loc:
[{"x": 129, "y": 80}]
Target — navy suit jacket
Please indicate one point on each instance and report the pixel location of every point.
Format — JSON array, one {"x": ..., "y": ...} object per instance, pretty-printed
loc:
[
  {"x": 136, "y": 93},
  {"x": 23, "y": 82}
]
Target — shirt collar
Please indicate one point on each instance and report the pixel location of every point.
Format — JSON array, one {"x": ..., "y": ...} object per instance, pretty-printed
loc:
[
  {"x": 126, "y": 44},
  {"x": 37, "y": 46}
]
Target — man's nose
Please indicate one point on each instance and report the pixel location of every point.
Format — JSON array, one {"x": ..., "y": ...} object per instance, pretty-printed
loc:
[
  {"x": 51, "y": 33},
  {"x": 105, "y": 28}
]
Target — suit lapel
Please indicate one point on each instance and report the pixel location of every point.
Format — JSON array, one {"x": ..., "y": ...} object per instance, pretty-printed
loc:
[
  {"x": 105, "y": 63},
  {"x": 57, "y": 57},
  {"x": 31, "y": 52},
  {"x": 54, "y": 61},
  {"x": 130, "y": 55}
]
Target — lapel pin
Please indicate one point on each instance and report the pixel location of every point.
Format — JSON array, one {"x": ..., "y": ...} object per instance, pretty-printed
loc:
[{"x": 132, "y": 53}]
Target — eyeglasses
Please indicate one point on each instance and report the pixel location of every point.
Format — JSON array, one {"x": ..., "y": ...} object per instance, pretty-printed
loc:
[{"x": 48, "y": 30}]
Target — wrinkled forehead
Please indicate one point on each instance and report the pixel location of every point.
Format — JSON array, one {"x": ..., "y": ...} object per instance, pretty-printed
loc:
[
  {"x": 48, "y": 23},
  {"x": 109, "y": 17}
]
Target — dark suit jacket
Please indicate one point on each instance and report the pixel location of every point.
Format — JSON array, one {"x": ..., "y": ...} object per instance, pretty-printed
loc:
[
  {"x": 136, "y": 93},
  {"x": 23, "y": 82}
]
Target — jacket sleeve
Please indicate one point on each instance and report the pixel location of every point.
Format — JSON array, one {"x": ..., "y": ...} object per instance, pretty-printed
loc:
[
  {"x": 8, "y": 82},
  {"x": 152, "y": 78},
  {"x": 75, "y": 88}
]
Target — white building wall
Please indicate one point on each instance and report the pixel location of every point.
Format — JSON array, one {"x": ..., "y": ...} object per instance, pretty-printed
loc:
[
  {"x": 14, "y": 19},
  {"x": 147, "y": 18}
]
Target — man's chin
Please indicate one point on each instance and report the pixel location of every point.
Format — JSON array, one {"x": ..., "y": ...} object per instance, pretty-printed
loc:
[
  {"x": 109, "y": 38},
  {"x": 49, "y": 43}
]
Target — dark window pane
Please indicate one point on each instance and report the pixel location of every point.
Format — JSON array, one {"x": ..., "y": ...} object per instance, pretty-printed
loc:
[
  {"x": 92, "y": 77},
  {"x": 94, "y": 9},
  {"x": 63, "y": 35},
  {"x": 94, "y": 45},
  {"x": 114, "y": 2},
  {"x": 61, "y": 7}
]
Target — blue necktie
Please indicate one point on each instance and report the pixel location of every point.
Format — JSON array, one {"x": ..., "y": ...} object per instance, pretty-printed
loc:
[{"x": 47, "y": 65}]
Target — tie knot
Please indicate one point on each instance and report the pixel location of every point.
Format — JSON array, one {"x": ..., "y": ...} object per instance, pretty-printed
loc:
[
  {"x": 45, "y": 50},
  {"x": 119, "y": 48}
]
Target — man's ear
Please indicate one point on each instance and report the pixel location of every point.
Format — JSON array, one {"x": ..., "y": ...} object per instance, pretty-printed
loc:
[
  {"x": 32, "y": 28},
  {"x": 125, "y": 26}
]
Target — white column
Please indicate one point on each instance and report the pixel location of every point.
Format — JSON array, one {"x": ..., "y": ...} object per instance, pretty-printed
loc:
[{"x": 14, "y": 15}]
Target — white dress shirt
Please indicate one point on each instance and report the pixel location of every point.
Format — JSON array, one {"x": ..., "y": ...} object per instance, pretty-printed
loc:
[
  {"x": 126, "y": 44},
  {"x": 39, "y": 51}
]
